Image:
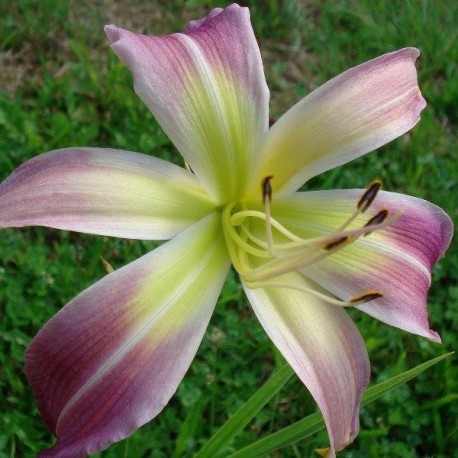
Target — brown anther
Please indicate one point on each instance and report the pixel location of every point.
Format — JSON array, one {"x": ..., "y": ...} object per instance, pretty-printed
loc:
[
  {"x": 376, "y": 219},
  {"x": 366, "y": 297},
  {"x": 267, "y": 189},
  {"x": 336, "y": 242},
  {"x": 369, "y": 195}
]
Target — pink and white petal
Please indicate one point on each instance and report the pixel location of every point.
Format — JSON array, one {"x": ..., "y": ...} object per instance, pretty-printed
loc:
[
  {"x": 206, "y": 87},
  {"x": 103, "y": 191},
  {"x": 110, "y": 360},
  {"x": 350, "y": 115},
  {"x": 323, "y": 346},
  {"x": 396, "y": 261}
]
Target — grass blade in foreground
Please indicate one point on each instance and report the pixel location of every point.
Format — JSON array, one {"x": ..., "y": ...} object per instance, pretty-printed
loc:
[
  {"x": 314, "y": 423},
  {"x": 245, "y": 414}
]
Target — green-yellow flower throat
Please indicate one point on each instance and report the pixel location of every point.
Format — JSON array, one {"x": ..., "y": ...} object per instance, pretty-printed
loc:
[{"x": 263, "y": 257}]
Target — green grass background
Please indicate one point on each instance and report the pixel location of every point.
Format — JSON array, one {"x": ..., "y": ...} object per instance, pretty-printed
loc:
[{"x": 60, "y": 85}]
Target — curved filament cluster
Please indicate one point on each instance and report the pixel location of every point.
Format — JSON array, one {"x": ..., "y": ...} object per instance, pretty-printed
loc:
[{"x": 262, "y": 261}]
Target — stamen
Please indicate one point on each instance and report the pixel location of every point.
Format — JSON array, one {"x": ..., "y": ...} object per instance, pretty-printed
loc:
[
  {"x": 302, "y": 288},
  {"x": 311, "y": 255},
  {"x": 335, "y": 243},
  {"x": 377, "y": 219},
  {"x": 367, "y": 296},
  {"x": 364, "y": 203},
  {"x": 267, "y": 189},
  {"x": 357, "y": 300},
  {"x": 236, "y": 219},
  {"x": 369, "y": 195},
  {"x": 250, "y": 251},
  {"x": 267, "y": 199}
]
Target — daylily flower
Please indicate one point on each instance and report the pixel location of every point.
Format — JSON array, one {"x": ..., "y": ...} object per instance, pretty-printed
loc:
[{"x": 111, "y": 359}]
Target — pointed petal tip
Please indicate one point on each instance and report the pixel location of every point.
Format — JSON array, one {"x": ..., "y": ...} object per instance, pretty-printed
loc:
[
  {"x": 433, "y": 336},
  {"x": 112, "y": 32},
  {"x": 418, "y": 103},
  {"x": 409, "y": 51},
  {"x": 234, "y": 8},
  {"x": 116, "y": 34}
]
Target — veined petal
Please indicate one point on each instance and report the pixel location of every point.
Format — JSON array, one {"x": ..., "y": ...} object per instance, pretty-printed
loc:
[
  {"x": 206, "y": 87},
  {"x": 396, "y": 261},
  {"x": 352, "y": 114},
  {"x": 103, "y": 191},
  {"x": 110, "y": 360},
  {"x": 325, "y": 349}
]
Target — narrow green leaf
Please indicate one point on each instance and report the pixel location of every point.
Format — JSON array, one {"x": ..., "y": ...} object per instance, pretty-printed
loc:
[
  {"x": 314, "y": 423},
  {"x": 376, "y": 391},
  {"x": 437, "y": 403},
  {"x": 245, "y": 414},
  {"x": 287, "y": 436},
  {"x": 189, "y": 427}
]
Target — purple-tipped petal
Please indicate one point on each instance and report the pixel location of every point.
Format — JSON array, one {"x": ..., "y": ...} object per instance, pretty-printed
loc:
[
  {"x": 325, "y": 349},
  {"x": 396, "y": 261},
  {"x": 110, "y": 360},
  {"x": 206, "y": 87},
  {"x": 103, "y": 191},
  {"x": 350, "y": 115}
]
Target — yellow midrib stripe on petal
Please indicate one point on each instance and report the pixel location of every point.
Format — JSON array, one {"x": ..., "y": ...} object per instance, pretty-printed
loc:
[{"x": 209, "y": 255}]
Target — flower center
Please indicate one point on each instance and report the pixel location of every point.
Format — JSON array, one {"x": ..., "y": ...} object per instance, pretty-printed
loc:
[{"x": 262, "y": 250}]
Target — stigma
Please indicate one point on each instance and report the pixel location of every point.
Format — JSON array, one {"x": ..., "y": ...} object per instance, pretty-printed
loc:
[{"x": 263, "y": 256}]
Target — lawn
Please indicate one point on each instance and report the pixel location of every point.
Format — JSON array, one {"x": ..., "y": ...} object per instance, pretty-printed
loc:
[{"x": 60, "y": 85}]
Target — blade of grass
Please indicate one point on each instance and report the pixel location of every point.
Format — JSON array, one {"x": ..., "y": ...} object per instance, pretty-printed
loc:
[
  {"x": 314, "y": 423},
  {"x": 245, "y": 414},
  {"x": 189, "y": 428}
]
